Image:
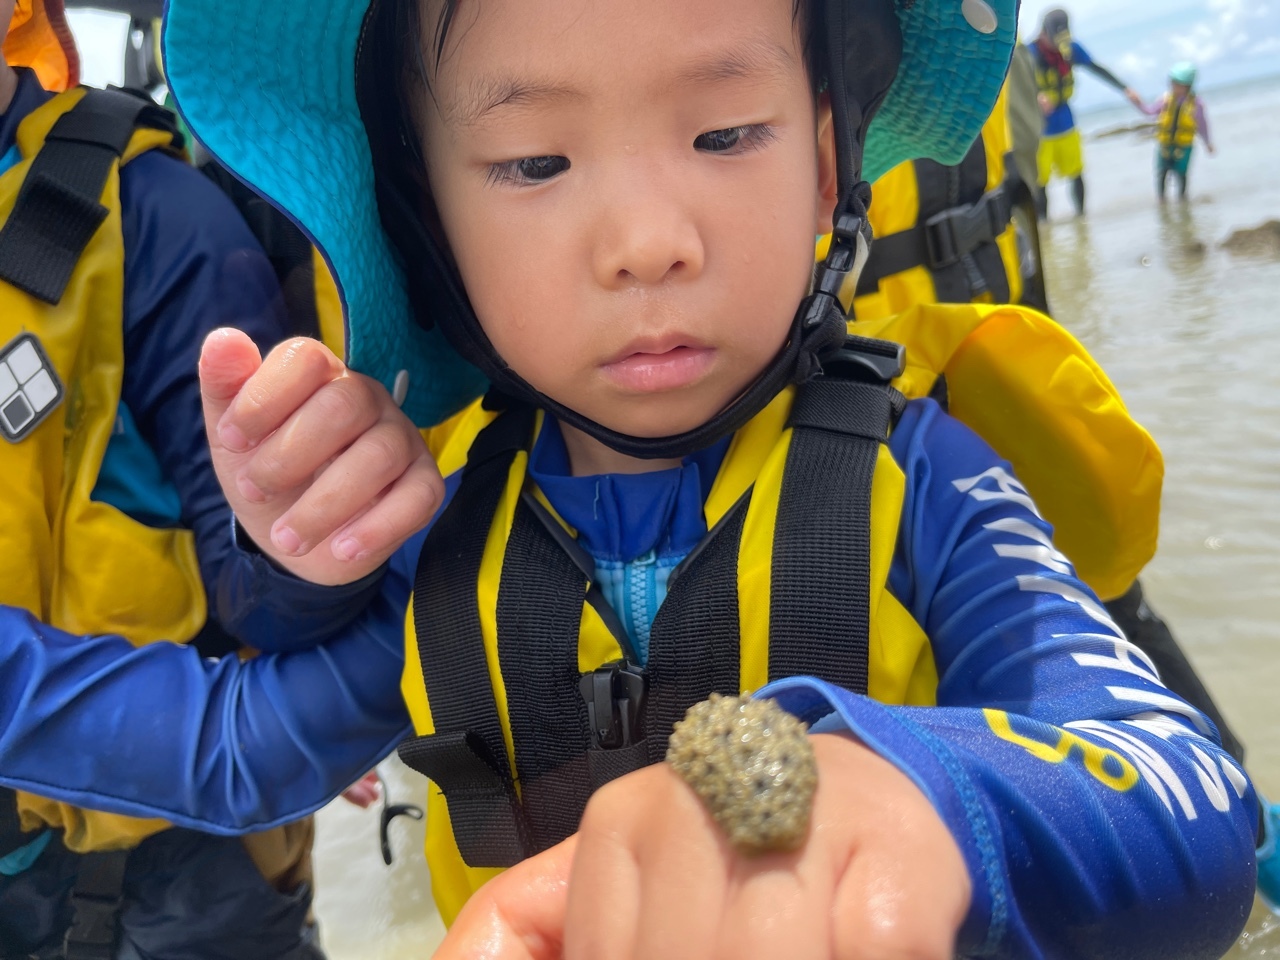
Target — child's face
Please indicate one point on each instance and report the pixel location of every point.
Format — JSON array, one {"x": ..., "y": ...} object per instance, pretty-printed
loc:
[
  {"x": 1179, "y": 90},
  {"x": 631, "y": 192}
]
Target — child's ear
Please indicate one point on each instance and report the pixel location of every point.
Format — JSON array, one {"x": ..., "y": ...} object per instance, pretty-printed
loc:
[{"x": 828, "y": 188}]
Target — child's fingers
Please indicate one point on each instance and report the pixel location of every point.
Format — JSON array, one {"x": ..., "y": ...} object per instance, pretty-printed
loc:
[
  {"x": 227, "y": 360},
  {"x": 338, "y": 414},
  {"x": 290, "y": 374},
  {"x": 518, "y": 915},
  {"x": 401, "y": 512},
  {"x": 392, "y": 457}
]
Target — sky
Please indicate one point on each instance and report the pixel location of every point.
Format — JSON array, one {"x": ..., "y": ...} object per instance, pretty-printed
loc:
[{"x": 1138, "y": 40}]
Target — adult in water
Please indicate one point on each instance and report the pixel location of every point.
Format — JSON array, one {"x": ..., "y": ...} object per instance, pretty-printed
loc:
[{"x": 1056, "y": 55}]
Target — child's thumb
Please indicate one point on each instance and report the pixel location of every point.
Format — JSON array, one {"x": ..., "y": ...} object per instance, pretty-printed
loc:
[{"x": 227, "y": 360}]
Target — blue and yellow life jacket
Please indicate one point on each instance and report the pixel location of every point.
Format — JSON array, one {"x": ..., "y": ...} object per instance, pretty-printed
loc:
[
  {"x": 74, "y": 562},
  {"x": 1176, "y": 128},
  {"x": 517, "y": 724}
]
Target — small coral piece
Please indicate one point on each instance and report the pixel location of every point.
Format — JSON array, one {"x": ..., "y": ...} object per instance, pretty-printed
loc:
[{"x": 752, "y": 764}]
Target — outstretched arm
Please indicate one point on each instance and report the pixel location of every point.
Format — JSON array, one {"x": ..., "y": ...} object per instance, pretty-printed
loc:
[
  {"x": 225, "y": 746},
  {"x": 1096, "y": 811}
]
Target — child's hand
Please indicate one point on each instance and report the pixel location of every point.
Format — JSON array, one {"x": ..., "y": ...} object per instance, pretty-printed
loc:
[
  {"x": 652, "y": 877},
  {"x": 322, "y": 469}
]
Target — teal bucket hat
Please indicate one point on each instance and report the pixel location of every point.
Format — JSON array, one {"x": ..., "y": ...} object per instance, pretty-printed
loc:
[{"x": 270, "y": 89}]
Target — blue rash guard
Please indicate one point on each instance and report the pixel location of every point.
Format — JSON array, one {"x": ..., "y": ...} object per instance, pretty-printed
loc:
[
  {"x": 191, "y": 266},
  {"x": 1062, "y": 119},
  {"x": 1096, "y": 812}
]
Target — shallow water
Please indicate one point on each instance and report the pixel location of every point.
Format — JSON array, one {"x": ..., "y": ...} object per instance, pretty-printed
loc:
[{"x": 1191, "y": 335}]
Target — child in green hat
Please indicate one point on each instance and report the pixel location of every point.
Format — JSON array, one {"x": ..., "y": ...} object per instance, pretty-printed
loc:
[
  {"x": 1181, "y": 119},
  {"x": 678, "y": 484}
]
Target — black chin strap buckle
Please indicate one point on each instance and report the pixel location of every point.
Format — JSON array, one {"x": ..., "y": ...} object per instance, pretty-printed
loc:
[
  {"x": 614, "y": 695},
  {"x": 867, "y": 360}
]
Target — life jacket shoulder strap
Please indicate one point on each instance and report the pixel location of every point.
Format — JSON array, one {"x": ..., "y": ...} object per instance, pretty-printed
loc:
[
  {"x": 466, "y": 757},
  {"x": 96, "y": 901},
  {"x": 955, "y": 234},
  {"x": 571, "y": 733},
  {"x": 59, "y": 209}
]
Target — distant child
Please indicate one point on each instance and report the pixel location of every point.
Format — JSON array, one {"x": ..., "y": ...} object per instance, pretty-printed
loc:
[
  {"x": 575, "y": 242},
  {"x": 1182, "y": 118}
]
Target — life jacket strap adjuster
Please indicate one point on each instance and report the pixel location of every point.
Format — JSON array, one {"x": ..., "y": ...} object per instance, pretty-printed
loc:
[
  {"x": 614, "y": 695},
  {"x": 953, "y": 233}
]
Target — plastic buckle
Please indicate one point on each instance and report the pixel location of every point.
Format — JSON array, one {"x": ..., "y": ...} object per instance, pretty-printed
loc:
[
  {"x": 614, "y": 695},
  {"x": 953, "y": 233},
  {"x": 876, "y": 361},
  {"x": 92, "y": 935}
]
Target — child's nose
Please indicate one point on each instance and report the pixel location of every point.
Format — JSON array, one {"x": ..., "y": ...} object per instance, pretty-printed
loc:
[{"x": 647, "y": 237}]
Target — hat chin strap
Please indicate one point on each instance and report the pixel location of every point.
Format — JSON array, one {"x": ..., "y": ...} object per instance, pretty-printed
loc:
[{"x": 818, "y": 331}]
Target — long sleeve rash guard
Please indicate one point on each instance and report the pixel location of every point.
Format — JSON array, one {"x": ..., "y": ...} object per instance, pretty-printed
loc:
[{"x": 1097, "y": 813}]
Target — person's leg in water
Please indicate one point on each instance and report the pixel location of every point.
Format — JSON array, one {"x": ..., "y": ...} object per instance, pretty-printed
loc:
[
  {"x": 1077, "y": 194},
  {"x": 1162, "y": 175},
  {"x": 1044, "y": 165}
]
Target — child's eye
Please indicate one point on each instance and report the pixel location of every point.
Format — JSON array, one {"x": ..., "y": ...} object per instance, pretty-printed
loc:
[
  {"x": 528, "y": 170},
  {"x": 734, "y": 138}
]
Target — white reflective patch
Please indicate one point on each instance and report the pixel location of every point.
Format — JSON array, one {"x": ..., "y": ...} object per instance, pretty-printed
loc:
[
  {"x": 1007, "y": 488},
  {"x": 24, "y": 361},
  {"x": 8, "y": 385},
  {"x": 41, "y": 390},
  {"x": 1035, "y": 583}
]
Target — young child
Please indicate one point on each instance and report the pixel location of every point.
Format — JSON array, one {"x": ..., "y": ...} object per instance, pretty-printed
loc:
[
  {"x": 608, "y": 208},
  {"x": 1182, "y": 119}
]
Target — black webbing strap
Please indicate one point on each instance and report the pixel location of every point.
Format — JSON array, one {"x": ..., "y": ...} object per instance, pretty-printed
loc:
[
  {"x": 58, "y": 209},
  {"x": 467, "y": 757},
  {"x": 695, "y": 641},
  {"x": 820, "y": 593},
  {"x": 955, "y": 238},
  {"x": 95, "y": 903},
  {"x": 539, "y": 612}
]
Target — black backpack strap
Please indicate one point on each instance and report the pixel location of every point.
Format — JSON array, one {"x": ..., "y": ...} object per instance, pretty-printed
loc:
[
  {"x": 819, "y": 606},
  {"x": 467, "y": 756},
  {"x": 955, "y": 235},
  {"x": 96, "y": 900},
  {"x": 58, "y": 209}
]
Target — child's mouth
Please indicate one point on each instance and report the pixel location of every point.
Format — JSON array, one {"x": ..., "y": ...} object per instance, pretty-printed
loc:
[{"x": 657, "y": 367}]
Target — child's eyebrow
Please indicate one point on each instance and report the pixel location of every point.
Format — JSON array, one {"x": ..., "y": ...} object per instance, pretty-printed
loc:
[
  {"x": 488, "y": 93},
  {"x": 754, "y": 61}
]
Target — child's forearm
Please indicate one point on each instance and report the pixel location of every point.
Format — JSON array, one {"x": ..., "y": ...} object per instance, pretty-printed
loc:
[{"x": 223, "y": 746}]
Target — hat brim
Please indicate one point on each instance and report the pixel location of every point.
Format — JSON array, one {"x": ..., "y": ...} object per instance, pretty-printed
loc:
[{"x": 270, "y": 90}]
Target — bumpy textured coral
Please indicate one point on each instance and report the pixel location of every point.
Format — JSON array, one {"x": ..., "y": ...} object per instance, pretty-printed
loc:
[{"x": 752, "y": 764}]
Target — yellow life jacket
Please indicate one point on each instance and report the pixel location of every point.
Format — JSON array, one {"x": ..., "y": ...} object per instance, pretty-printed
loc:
[
  {"x": 1056, "y": 86},
  {"x": 73, "y": 562},
  {"x": 1015, "y": 376},
  {"x": 927, "y": 217},
  {"x": 1177, "y": 124}
]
